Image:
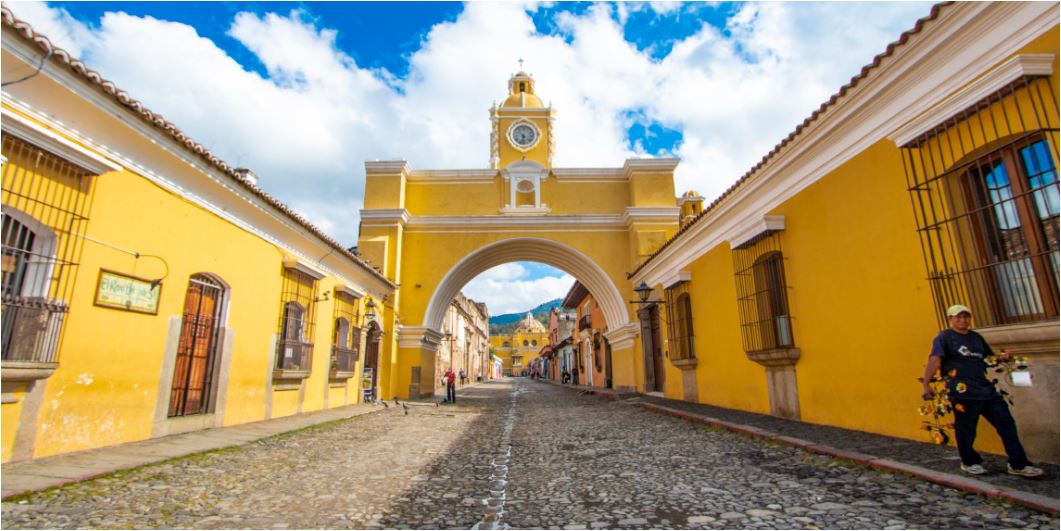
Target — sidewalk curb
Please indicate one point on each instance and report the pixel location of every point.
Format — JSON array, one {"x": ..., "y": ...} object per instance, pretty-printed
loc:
[
  {"x": 973, "y": 486},
  {"x": 142, "y": 449}
]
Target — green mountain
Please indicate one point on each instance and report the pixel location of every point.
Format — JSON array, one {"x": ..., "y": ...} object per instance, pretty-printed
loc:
[{"x": 506, "y": 323}]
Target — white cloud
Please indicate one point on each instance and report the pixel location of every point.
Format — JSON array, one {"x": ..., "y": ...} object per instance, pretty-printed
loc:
[
  {"x": 308, "y": 127},
  {"x": 511, "y": 295}
]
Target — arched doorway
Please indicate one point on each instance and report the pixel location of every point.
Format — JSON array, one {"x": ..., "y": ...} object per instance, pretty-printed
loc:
[
  {"x": 370, "y": 371},
  {"x": 198, "y": 349}
]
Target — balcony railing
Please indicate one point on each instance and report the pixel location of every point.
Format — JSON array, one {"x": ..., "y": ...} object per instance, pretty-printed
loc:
[
  {"x": 31, "y": 328},
  {"x": 343, "y": 360},
  {"x": 293, "y": 359},
  {"x": 585, "y": 322}
]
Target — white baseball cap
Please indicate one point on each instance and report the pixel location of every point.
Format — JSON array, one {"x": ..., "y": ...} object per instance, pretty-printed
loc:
[{"x": 957, "y": 309}]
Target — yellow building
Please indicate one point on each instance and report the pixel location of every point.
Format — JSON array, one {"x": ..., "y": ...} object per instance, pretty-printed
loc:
[
  {"x": 517, "y": 349},
  {"x": 433, "y": 231},
  {"x": 148, "y": 287},
  {"x": 813, "y": 287}
]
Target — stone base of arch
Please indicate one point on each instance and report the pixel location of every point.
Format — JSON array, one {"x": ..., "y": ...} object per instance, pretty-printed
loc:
[{"x": 417, "y": 346}]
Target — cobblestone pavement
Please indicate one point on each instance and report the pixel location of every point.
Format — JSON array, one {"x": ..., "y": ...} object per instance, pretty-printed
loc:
[{"x": 575, "y": 462}]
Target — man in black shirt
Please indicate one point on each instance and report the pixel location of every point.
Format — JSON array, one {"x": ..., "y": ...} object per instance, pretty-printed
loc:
[{"x": 960, "y": 354}]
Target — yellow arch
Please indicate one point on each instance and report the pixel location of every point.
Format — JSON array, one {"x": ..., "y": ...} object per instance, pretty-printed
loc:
[{"x": 543, "y": 250}]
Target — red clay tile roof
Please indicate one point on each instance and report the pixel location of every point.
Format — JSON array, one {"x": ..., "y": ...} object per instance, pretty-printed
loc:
[
  {"x": 799, "y": 129},
  {"x": 158, "y": 122}
]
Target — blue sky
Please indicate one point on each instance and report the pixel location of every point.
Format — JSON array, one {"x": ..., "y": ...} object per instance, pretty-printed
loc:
[{"x": 304, "y": 92}]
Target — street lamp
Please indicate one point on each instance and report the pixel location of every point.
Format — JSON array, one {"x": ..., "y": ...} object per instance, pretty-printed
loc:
[
  {"x": 370, "y": 310},
  {"x": 643, "y": 291}
]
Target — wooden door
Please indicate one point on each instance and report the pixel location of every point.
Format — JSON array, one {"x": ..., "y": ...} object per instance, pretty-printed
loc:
[
  {"x": 197, "y": 348},
  {"x": 657, "y": 348}
]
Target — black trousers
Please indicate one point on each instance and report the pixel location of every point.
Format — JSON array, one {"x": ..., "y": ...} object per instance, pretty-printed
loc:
[
  {"x": 451, "y": 392},
  {"x": 997, "y": 413}
]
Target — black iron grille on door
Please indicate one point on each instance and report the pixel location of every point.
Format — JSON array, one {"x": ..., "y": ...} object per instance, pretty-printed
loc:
[
  {"x": 984, "y": 189},
  {"x": 193, "y": 373}
]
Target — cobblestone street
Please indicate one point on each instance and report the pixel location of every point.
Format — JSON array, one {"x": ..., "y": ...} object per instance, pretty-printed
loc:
[{"x": 574, "y": 462}]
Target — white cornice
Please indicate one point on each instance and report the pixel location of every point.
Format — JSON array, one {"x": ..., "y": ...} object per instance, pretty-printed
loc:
[
  {"x": 632, "y": 166},
  {"x": 17, "y": 126},
  {"x": 967, "y": 39},
  {"x": 525, "y": 211},
  {"x": 378, "y": 216},
  {"x": 349, "y": 290},
  {"x": 419, "y": 337},
  {"x": 515, "y": 221},
  {"x": 991, "y": 82},
  {"x": 486, "y": 175},
  {"x": 680, "y": 276},
  {"x": 387, "y": 167},
  {"x": 622, "y": 337},
  {"x": 754, "y": 229},
  {"x": 590, "y": 174},
  {"x": 300, "y": 265},
  {"x": 651, "y": 215}
]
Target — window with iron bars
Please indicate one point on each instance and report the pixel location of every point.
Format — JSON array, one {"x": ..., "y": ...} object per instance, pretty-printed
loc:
[
  {"x": 762, "y": 295},
  {"x": 346, "y": 337},
  {"x": 297, "y": 313},
  {"x": 984, "y": 190},
  {"x": 46, "y": 203},
  {"x": 680, "y": 322}
]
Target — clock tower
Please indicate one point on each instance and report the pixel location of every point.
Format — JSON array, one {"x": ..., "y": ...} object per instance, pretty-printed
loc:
[{"x": 522, "y": 127}]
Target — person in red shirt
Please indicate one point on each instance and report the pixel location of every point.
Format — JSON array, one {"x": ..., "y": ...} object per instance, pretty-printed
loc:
[{"x": 451, "y": 386}]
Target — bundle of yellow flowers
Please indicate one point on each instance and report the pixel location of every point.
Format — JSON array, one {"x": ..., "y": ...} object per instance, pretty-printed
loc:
[{"x": 939, "y": 406}]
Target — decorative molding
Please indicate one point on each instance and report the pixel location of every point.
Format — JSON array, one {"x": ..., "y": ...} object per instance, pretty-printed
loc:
[
  {"x": 687, "y": 364},
  {"x": 525, "y": 211},
  {"x": 592, "y": 175},
  {"x": 650, "y": 214},
  {"x": 516, "y": 145},
  {"x": 1041, "y": 64},
  {"x": 622, "y": 337},
  {"x": 777, "y": 357},
  {"x": 752, "y": 231},
  {"x": 23, "y": 129},
  {"x": 652, "y": 165},
  {"x": 680, "y": 276},
  {"x": 26, "y": 371},
  {"x": 386, "y": 216},
  {"x": 486, "y": 175},
  {"x": 966, "y": 40},
  {"x": 529, "y": 220},
  {"x": 349, "y": 290},
  {"x": 388, "y": 167},
  {"x": 299, "y": 265},
  {"x": 419, "y": 337}
]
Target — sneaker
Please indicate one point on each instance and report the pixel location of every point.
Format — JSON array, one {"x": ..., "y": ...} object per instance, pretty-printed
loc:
[
  {"x": 976, "y": 470},
  {"x": 1028, "y": 471}
]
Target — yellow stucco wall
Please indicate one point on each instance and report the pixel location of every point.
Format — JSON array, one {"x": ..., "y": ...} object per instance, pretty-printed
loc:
[
  {"x": 863, "y": 313},
  {"x": 106, "y": 388}
]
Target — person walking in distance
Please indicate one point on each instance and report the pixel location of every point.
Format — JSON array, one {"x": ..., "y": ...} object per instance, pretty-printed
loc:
[
  {"x": 960, "y": 353},
  {"x": 464, "y": 377},
  {"x": 451, "y": 386}
]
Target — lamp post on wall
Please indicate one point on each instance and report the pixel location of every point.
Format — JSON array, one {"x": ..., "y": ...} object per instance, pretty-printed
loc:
[{"x": 370, "y": 311}]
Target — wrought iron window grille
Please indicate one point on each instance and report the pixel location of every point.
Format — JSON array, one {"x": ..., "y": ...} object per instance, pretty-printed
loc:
[{"x": 984, "y": 190}]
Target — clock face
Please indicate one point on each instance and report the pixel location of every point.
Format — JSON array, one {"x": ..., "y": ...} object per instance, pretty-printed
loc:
[{"x": 524, "y": 135}]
